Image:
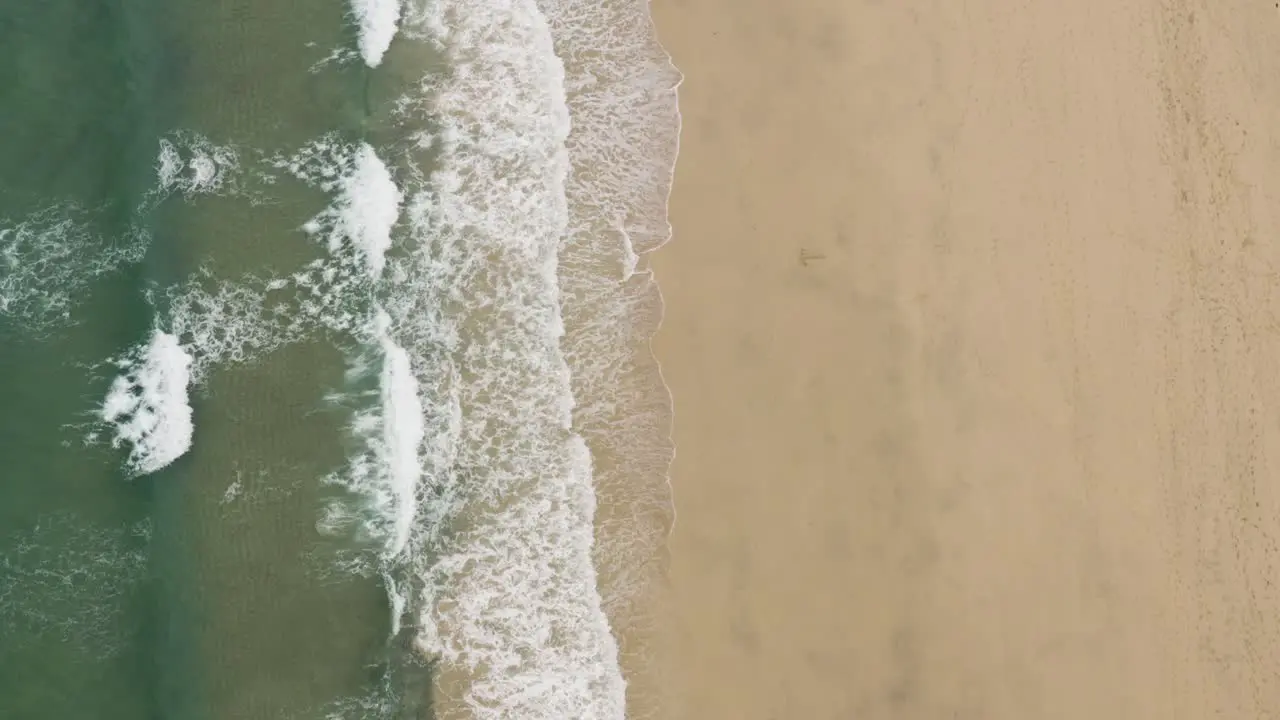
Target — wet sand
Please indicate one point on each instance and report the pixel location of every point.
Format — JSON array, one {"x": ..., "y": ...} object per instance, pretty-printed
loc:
[{"x": 971, "y": 327}]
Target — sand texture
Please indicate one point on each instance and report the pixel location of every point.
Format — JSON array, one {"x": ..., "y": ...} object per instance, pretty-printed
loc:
[{"x": 973, "y": 332}]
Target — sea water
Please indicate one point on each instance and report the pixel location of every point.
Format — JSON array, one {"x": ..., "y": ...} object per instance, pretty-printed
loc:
[{"x": 326, "y": 386}]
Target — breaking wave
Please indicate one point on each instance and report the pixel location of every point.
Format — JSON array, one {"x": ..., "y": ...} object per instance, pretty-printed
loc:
[
  {"x": 508, "y": 428},
  {"x": 148, "y": 406}
]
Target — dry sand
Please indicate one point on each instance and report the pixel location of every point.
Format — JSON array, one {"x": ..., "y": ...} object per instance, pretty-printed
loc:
[{"x": 973, "y": 330}]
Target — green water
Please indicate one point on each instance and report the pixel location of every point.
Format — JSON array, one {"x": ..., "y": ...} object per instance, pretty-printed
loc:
[
  {"x": 198, "y": 591},
  {"x": 77, "y": 121}
]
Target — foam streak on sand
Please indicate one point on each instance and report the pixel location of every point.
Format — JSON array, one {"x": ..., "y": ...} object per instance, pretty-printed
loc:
[
  {"x": 621, "y": 93},
  {"x": 510, "y": 606},
  {"x": 148, "y": 404}
]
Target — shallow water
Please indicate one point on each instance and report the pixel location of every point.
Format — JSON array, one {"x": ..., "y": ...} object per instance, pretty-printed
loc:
[{"x": 325, "y": 389}]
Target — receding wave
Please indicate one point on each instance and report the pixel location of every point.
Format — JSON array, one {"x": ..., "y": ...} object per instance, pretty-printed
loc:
[
  {"x": 621, "y": 92},
  {"x": 510, "y": 604}
]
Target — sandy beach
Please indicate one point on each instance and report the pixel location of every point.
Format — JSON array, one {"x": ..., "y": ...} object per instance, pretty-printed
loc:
[{"x": 971, "y": 329}]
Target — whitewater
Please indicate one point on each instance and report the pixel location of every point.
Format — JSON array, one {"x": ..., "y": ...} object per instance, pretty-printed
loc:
[
  {"x": 148, "y": 404},
  {"x": 554, "y": 132},
  {"x": 483, "y": 276}
]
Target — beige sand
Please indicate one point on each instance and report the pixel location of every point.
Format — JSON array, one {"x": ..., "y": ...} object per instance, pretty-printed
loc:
[{"x": 972, "y": 333}]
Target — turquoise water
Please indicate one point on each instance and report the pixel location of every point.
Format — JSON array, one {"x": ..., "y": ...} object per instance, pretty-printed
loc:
[{"x": 323, "y": 352}]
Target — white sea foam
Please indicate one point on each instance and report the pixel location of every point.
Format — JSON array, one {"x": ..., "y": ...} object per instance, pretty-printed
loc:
[
  {"x": 398, "y": 603},
  {"x": 64, "y": 580},
  {"x": 518, "y": 608},
  {"x": 366, "y": 203},
  {"x": 49, "y": 257},
  {"x": 510, "y": 602},
  {"x": 191, "y": 164},
  {"x": 338, "y": 56},
  {"x": 236, "y": 321},
  {"x": 232, "y": 321},
  {"x": 473, "y": 469},
  {"x": 232, "y": 492},
  {"x": 402, "y": 431},
  {"x": 365, "y": 211},
  {"x": 148, "y": 404},
  {"x": 383, "y": 475},
  {"x": 376, "y": 21},
  {"x": 621, "y": 93}
]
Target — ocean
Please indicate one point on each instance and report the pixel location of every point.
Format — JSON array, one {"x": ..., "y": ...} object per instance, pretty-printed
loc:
[{"x": 325, "y": 382}]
